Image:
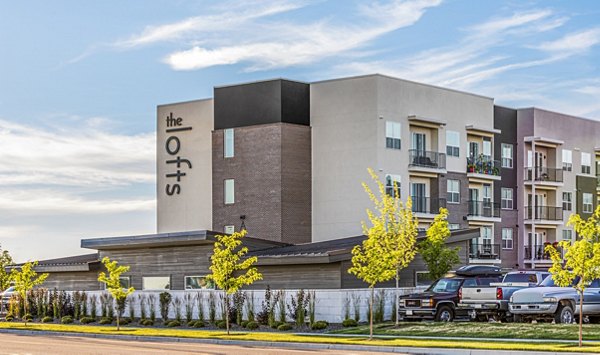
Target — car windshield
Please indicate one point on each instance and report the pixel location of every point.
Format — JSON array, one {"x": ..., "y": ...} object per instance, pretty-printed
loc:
[
  {"x": 531, "y": 278},
  {"x": 10, "y": 289},
  {"x": 445, "y": 285},
  {"x": 549, "y": 282}
]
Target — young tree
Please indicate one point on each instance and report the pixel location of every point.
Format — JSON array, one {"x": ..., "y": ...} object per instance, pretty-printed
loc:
[
  {"x": 228, "y": 272},
  {"x": 5, "y": 260},
  {"x": 113, "y": 285},
  {"x": 438, "y": 257},
  {"x": 391, "y": 241},
  {"x": 581, "y": 263},
  {"x": 24, "y": 280}
]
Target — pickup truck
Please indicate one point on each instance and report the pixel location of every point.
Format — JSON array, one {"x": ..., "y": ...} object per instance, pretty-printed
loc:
[
  {"x": 483, "y": 302},
  {"x": 550, "y": 302},
  {"x": 439, "y": 300}
]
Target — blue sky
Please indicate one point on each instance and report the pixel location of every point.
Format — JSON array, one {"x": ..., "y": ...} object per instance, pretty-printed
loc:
[{"x": 80, "y": 82}]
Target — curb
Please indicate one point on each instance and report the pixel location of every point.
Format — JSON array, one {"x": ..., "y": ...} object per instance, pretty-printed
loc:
[{"x": 286, "y": 345}]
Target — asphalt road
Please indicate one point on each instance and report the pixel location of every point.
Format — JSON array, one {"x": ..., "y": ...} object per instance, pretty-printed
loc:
[{"x": 48, "y": 345}]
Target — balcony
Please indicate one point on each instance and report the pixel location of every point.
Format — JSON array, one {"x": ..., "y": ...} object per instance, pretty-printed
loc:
[
  {"x": 544, "y": 175},
  {"x": 483, "y": 211},
  {"x": 426, "y": 161},
  {"x": 484, "y": 252},
  {"x": 544, "y": 214},
  {"x": 483, "y": 167},
  {"x": 426, "y": 206},
  {"x": 538, "y": 254}
]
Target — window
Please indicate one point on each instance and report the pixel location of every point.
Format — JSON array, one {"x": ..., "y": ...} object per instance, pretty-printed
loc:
[
  {"x": 507, "y": 155},
  {"x": 422, "y": 279},
  {"x": 567, "y": 203},
  {"x": 198, "y": 283},
  {"x": 588, "y": 202},
  {"x": 507, "y": 238},
  {"x": 228, "y": 143},
  {"x": 229, "y": 229},
  {"x": 487, "y": 149},
  {"x": 453, "y": 226},
  {"x": 392, "y": 135},
  {"x": 567, "y": 160},
  {"x": 452, "y": 144},
  {"x": 390, "y": 181},
  {"x": 156, "y": 283},
  {"x": 586, "y": 163},
  {"x": 506, "y": 198},
  {"x": 567, "y": 234},
  {"x": 229, "y": 191},
  {"x": 486, "y": 235},
  {"x": 453, "y": 191},
  {"x": 125, "y": 281}
]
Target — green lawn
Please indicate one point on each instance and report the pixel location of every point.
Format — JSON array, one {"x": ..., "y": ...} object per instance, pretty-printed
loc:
[
  {"x": 482, "y": 330},
  {"x": 287, "y": 337}
]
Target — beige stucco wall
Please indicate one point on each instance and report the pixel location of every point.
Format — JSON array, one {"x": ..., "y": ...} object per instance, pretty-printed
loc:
[{"x": 191, "y": 209}]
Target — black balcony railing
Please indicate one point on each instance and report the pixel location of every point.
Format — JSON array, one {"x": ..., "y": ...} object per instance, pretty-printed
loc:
[
  {"x": 484, "y": 251},
  {"x": 539, "y": 173},
  {"x": 538, "y": 252},
  {"x": 427, "y": 159},
  {"x": 546, "y": 213},
  {"x": 483, "y": 164},
  {"x": 427, "y": 205},
  {"x": 484, "y": 209}
]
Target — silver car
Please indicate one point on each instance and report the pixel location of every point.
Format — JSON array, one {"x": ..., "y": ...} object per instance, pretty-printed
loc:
[
  {"x": 5, "y": 298},
  {"x": 548, "y": 301}
]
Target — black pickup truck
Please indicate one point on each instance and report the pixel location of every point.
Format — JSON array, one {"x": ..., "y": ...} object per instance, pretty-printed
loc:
[{"x": 439, "y": 300}]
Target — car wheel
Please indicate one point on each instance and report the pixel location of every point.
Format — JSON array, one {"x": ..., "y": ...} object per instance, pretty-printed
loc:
[
  {"x": 564, "y": 315},
  {"x": 444, "y": 314}
]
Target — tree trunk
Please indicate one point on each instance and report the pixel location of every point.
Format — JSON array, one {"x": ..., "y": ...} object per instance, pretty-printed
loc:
[
  {"x": 371, "y": 313},
  {"x": 397, "y": 296},
  {"x": 25, "y": 308},
  {"x": 118, "y": 323},
  {"x": 227, "y": 311},
  {"x": 581, "y": 319}
]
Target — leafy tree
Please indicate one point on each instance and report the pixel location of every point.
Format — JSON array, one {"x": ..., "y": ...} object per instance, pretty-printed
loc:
[
  {"x": 581, "y": 263},
  {"x": 229, "y": 271},
  {"x": 391, "y": 241},
  {"x": 24, "y": 280},
  {"x": 5, "y": 260},
  {"x": 112, "y": 280},
  {"x": 438, "y": 257}
]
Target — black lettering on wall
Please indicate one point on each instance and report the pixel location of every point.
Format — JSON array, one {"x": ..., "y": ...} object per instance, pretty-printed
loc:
[
  {"x": 175, "y": 189},
  {"x": 173, "y": 146}
]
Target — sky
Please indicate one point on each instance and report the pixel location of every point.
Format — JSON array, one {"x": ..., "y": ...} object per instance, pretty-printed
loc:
[{"x": 80, "y": 82}]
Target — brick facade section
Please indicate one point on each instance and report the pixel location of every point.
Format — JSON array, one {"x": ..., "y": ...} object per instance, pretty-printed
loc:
[{"x": 272, "y": 172}]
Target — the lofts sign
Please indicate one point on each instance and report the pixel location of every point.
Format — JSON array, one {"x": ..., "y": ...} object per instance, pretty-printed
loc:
[{"x": 176, "y": 165}]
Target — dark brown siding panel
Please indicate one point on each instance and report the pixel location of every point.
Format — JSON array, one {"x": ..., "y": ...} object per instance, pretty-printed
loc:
[
  {"x": 320, "y": 276},
  {"x": 585, "y": 184},
  {"x": 73, "y": 281}
]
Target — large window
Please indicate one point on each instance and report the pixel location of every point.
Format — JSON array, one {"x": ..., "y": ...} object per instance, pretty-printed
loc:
[
  {"x": 507, "y": 238},
  {"x": 228, "y": 143},
  {"x": 391, "y": 182},
  {"x": 506, "y": 198},
  {"x": 156, "y": 283},
  {"x": 486, "y": 235},
  {"x": 229, "y": 191},
  {"x": 567, "y": 160},
  {"x": 586, "y": 163},
  {"x": 392, "y": 135},
  {"x": 198, "y": 283},
  {"x": 588, "y": 202},
  {"x": 507, "y": 155},
  {"x": 452, "y": 144},
  {"x": 422, "y": 278},
  {"x": 453, "y": 189},
  {"x": 567, "y": 201},
  {"x": 567, "y": 234}
]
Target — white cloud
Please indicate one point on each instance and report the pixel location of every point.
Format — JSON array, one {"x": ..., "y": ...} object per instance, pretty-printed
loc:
[
  {"x": 573, "y": 42},
  {"x": 503, "y": 24},
  {"x": 285, "y": 44}
]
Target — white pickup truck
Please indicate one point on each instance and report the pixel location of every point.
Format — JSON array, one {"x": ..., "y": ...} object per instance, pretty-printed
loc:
[{"x": 483, "y": 302}]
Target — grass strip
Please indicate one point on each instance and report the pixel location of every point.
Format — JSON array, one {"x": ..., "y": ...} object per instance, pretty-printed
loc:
[{"x": 293, "y": 338}]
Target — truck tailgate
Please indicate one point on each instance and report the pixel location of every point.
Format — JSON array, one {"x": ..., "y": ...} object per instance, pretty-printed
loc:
[{"x": 473, "y": 294}]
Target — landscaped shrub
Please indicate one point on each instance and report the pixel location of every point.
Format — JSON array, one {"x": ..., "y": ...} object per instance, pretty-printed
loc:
[
  {"x": 147, "y": 322},
  {"x": 9, "y": 318},
  {"x": 250, "y": 306},
  {"x": 221, "y": 324},
  {"x": 200, "y": 305},
  {"x": 188, "y": 301},
  {"x": 239, "y": 298},
  {"x": 244, "y": 323},
  {"x": 252, "y": 325},
  {"x": 165, "y": 301},
  {"x": 276, "y": 325},
  {"x": 312, "y": 307},
  {"x": 285, "y": 327},
  {"x": 346, "y": 306},
  {"x": 28, "y": 317},
  {"x": 318, "y": 325},
  {"x": 106, "y": 320},
  {"x": 177, "y": 307},
  {"x": 349, "y": 322},
  {"x": 298, "y": 307},
  {"x": 152, "y": 307},
  {"x": 87, "y": 320},
  {"x": 267, "y": 308},
  {"x": 130, "y": 302},
  {"x": 142, "y": 302},
  {"x": 66, "y": 320},
  {"x": 191, "y": 323},
  {"x": 199, "y": 324},
  {"x": 379, "y": 305},
  {"x": 93, "y": 302},
  {"x": 174, "y": 323},
  {"x": 47, "y": 319},
  {"x": 212, "y": 307},
  {"x": 281, "y": 305},
  {"x": 124, "y": 321}
]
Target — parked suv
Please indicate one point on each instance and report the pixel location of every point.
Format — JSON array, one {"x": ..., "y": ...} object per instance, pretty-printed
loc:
[{"x": 439, "y": 300}]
